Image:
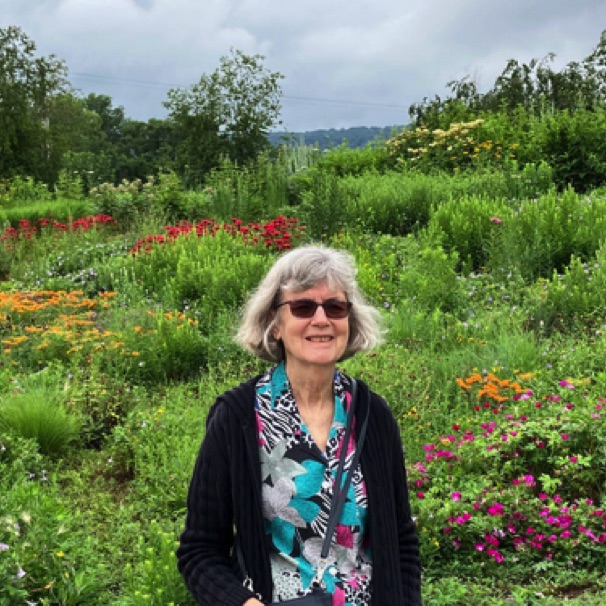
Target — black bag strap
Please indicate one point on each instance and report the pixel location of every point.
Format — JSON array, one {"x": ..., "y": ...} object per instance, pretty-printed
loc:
[{"x": 340, "y": 492}]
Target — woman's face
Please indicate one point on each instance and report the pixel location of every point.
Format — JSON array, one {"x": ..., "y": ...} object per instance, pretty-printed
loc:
[{"x": 316, "y": 341}]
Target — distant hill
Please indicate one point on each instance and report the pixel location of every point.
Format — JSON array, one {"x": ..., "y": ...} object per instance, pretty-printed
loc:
[{"x": 358, "y": 136}]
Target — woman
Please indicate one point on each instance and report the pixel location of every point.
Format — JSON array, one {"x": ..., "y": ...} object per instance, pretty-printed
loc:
[{"x": 263, "y": 484}]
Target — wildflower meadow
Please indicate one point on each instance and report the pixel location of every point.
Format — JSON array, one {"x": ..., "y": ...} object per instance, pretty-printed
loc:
[{"x": 117, "y": 315}]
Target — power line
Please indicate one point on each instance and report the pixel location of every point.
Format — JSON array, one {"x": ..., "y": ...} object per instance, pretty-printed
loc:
[{"x": 166, "y": 86}]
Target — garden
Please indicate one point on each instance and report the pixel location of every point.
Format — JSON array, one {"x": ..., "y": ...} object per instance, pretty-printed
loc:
[
  {"x": 127, "y": 249},
  {"x": 117, "y": 312}
]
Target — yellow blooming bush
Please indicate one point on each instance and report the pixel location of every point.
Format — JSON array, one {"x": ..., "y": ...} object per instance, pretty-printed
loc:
[{"x": 461, "y": 145}]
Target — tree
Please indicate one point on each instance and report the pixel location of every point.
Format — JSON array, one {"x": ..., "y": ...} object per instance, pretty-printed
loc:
[
  {"x": 535, "y": 86},
  {"x": 73, "y": 131},
  {"x": 27, "y": 85},
  {"x": 227, "y": 113}
]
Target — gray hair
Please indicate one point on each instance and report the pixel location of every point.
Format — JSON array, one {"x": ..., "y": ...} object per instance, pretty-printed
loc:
[{"x": 298, "y": 270}]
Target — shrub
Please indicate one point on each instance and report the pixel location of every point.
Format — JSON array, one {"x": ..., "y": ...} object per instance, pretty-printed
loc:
[
  {"x": 573, "y": 299},
  {"x": 123, "y": 202},
  {"x": 208, "y": 273},
  {"x": 544, "y": 234},
  {"x": 324, "y": 206},
  {"x": 392, "y": 203},
  {"x": 470, "y": 227},
  {"x": 536, "y": 504},
  {"x": 573, "y": 145},
  {"x": 342, "y": 161},
  {"x": 18, "y": 190},
  {"x": 162, "y": 346}
]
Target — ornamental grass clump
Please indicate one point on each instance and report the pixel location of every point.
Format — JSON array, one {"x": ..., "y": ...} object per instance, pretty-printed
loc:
[
  {"x": 39, "y": 415},
  {"x": 520, "y": 480}
]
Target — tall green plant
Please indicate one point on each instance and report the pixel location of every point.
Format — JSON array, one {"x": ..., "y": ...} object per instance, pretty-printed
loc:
[
  {"x": 324, "y": 206},
  {"x": 40, "y": 415}
]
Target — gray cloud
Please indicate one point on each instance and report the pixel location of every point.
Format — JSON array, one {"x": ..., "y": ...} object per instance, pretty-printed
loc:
[{"x": 346, "y": 63}]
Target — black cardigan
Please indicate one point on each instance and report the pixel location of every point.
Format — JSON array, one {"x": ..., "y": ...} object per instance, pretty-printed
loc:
[{"x": 225, "y": 495}]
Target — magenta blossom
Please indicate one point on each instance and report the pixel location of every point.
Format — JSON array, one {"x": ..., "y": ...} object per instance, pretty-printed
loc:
[{"x": 496, "y": 510}]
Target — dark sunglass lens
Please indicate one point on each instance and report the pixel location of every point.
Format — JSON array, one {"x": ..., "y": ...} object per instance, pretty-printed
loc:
[
  {"x": 304, "y": 308},
  {"x": 336, "y": 309}
]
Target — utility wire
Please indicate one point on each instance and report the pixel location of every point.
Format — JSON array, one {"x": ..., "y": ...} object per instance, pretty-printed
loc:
[{"x": 166, "y": 86}]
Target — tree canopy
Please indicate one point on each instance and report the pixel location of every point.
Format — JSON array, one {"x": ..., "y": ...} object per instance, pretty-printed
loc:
[
  {"x": 535, "y": 86},
  {"x": 27, "y": 85},
  {"x": 228, "y": 113}
]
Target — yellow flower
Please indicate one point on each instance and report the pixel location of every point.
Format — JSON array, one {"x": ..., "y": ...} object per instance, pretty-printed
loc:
[{"x": 60, "y": 554}]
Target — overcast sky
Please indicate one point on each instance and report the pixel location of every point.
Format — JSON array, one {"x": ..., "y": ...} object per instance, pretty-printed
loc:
[{"x": 345, "y": 62}]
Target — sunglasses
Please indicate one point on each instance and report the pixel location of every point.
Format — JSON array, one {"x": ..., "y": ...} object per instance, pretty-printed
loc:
[{"x": 306, "y": 308}]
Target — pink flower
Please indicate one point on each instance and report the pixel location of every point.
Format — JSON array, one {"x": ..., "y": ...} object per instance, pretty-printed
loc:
[
  {"x": 421, "y": 495},
  {"x": 496, "y": 510},
  {"x": 494, "y": 553},
  {"x": 564, "y": 436},
  {"x": 529, "y": 480},
  {"x": 573, "y": 459},
  {"x": 456, "y": 496},
  {"x": 496, "y": 220}
]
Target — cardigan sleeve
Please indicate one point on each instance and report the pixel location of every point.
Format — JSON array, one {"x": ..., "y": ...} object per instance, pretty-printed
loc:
[
  {"x": 408, "y": 542},
  {"x": 204, "y": 554}
]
